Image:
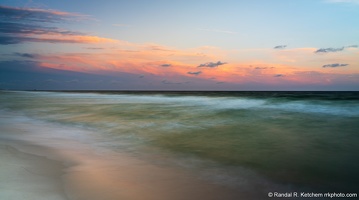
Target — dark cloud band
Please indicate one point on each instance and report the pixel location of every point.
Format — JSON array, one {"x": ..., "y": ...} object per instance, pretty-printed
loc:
[
  {"x": 19, "y": 25},
  {"x": 34, "y": 15}
]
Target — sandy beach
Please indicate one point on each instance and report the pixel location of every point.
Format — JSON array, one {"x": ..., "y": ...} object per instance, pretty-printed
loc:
[{"x": 51, "y": 166}]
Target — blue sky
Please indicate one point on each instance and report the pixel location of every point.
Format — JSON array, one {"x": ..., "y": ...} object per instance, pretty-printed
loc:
[{"x": 263, "y": 44}]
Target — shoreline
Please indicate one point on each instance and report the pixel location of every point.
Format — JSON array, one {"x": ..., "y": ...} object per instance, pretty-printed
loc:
[{"x": 74, "y": 171}]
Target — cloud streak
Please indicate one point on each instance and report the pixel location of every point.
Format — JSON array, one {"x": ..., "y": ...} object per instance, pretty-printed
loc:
[
  {"x": 280, "y": 47},
  {"x": 25, "y": 29},
  {"x": 212, "y": 64},
  {"x": 7, "y": 40},
  {"x": 328, "y": 50},
  {"x": 195, "y": 73},
  {"x": 26, "y": 55},
  {"x": 259, "y": 68},
  {"x": 278, "y": 75},
  {"x": 165, "y": 65},
  {"x": 334, "y": 65}
]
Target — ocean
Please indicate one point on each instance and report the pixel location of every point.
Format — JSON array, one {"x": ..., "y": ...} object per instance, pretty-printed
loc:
[{"x": 259, "y": 142}]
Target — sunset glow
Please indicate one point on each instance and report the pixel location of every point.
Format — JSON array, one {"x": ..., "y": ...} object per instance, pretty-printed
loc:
[{"x": 220, "y": 54}]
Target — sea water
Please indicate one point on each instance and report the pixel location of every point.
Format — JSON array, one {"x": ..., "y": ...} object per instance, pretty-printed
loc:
[{"x": 286, "y": 141}]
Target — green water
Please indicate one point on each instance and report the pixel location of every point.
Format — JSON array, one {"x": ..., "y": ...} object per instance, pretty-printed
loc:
[
  {"x": 292, "y": 149},
  {"x": 308, "y": 140}
]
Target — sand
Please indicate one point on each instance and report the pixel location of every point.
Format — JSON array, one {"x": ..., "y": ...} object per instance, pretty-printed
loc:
[
  {"x": 27, "y": 176},
  {"x": 41, "y": 161}
]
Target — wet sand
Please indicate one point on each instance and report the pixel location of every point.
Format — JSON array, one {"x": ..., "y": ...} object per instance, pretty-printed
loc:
[
  {"x": 27, "y": 176},
  {"x": 41, "y": 161}
]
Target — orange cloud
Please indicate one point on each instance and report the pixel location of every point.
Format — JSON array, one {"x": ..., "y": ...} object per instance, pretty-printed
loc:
[
  {"x": 150, "y": 59},
  {"x": 59, "y": 38}
]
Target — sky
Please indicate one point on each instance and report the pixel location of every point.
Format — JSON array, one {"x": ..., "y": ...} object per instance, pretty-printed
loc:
[{"x": 290, "y": 45}]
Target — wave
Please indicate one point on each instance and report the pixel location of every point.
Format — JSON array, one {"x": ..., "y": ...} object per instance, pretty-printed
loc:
[{"x": 290, "y": 103}]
